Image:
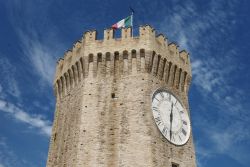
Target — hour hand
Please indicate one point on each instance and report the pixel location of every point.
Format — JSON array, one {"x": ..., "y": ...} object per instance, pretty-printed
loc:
[
  {"x": 171, "y": 113},
  {"x": 171, "y": 120}
]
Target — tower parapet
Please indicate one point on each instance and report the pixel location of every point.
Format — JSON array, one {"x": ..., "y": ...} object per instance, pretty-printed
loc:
[{"x": 155, "y": 53}]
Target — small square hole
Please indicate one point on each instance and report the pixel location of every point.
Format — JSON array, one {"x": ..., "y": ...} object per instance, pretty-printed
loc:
[{"x": 113, "y": 95}]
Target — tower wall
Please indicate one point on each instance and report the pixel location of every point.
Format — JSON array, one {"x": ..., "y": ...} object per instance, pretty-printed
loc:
[{"x": 103, "y": 94}]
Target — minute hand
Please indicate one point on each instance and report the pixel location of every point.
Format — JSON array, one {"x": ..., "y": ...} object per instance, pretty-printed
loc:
[{"x": 171, "y": 120}]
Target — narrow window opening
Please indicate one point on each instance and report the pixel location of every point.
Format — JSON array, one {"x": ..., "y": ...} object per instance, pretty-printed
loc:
[
  {"x": 158, "y": 63},
  {"x": 152, "y": 61},
  {"x": 133, "y": 53},
  {"x": 90, "y": 58},
  {"x": 125, "y": 55},
  {"x": 99, "y": 57},
  {"x": 107, "y": 56},
  {"x": 113, "y": 95},
  {"x": 169, "y": 69},
  {"x": 116, "y": 55},
  {"x": 179, "y": 79},
  {"x": 142, "y": 52},
  {"x": 164, "y": 64},
  {"x": 81, "y": 61},
  {"x": 174, "y": 77}
]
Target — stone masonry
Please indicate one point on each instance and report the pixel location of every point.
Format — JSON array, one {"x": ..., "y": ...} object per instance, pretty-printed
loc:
[{"x": 103, "y": 91}]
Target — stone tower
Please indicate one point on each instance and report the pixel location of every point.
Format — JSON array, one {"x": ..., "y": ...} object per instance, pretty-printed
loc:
[{"x": 104, "y": 91}]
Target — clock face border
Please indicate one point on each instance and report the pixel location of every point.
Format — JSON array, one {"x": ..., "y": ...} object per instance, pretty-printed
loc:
[{"x": 161, "y": 89}]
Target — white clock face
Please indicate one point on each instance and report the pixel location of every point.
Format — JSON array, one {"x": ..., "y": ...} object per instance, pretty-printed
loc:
[{"x": 171, "y": 117}]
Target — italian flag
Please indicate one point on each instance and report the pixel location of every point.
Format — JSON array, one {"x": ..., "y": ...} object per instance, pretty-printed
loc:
[{"x": 127, "y": 22}]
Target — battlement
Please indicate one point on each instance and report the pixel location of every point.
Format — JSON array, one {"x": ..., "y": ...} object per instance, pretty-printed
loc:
[{"x": 147, "y": 52}]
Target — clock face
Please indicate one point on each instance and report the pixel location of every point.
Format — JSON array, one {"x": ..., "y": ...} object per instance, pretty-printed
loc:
[{"x": 171, "y": 117}]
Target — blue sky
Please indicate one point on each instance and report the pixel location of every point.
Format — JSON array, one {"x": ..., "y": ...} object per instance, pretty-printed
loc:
[{"x": 35, "y": 33}]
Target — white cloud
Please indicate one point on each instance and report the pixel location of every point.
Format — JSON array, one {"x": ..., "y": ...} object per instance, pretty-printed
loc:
[
  {"x": 205, "y": 76},
  {"x": 39, "y": 41},
  {"x": 35, "y": 121},
  {"x": 39, "y": 55},
  {"x": 7, "y": 72}
]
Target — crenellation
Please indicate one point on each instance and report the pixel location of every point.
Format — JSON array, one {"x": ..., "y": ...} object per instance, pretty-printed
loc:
[
  {"x": 77, "y": 46},
  {"x": 184, "y": 56},
  {"x": 173, "y": 48},
  {"x": 170, "y": 52},
  {"x": 126, "y": 33},
  {"x": 161, "y": 40},
  {"x": 90, "y": 36},
  {"x": 108, "y": 34},
  {"x": 67, "y": 60},
  {"x": 163, "y": 62},
  {"x": 146, "y": 31}
]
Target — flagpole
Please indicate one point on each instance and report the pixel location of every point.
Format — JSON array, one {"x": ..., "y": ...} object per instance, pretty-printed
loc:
[{"x": 132, "y": 17}]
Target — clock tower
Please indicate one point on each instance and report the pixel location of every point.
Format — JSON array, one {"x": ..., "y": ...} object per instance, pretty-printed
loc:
[{"x": 122, "y": 102}]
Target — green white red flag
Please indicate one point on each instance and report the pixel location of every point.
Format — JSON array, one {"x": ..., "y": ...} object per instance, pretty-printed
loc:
[{"x": 124, "y": 23}]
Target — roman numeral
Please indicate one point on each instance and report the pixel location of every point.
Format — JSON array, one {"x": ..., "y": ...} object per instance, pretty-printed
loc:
[
  {"x": 173, "y": 139},
  {"x": 158, "y": 120},
  {"x": 184, "y": 122},
  {"x": 180, "y": 138},
  {"x": 184, "y": 132},
  {"x": 162, "y": 95},
  {"x": 156, "y": 109},
  {"x": 165, "y": 131},
  {"x": 157, "y": 99}
]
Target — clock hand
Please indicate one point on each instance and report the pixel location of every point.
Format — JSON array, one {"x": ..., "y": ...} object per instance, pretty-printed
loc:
[{"x": 171, "y": 120}]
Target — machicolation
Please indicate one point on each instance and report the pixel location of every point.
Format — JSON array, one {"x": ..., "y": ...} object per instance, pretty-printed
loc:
[{"x": 90, "y": 57}]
